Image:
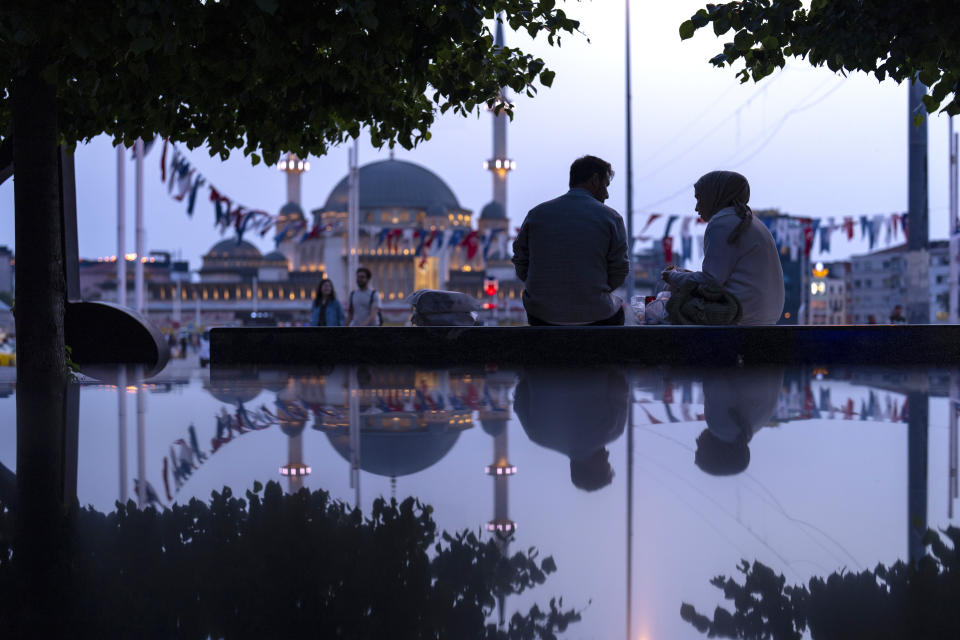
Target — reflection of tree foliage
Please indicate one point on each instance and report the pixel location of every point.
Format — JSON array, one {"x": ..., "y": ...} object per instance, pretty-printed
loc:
[
  {"x": 901, "y": 601},
  {"x": 274, "y": 565}
]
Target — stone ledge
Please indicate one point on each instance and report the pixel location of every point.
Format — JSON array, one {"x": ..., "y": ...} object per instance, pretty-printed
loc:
[{"x": 891, "y": 345}]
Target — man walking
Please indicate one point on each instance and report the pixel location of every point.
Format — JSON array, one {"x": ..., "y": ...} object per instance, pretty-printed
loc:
[
  {"x": 363, "y": 307},
  {"x": 571, "y": 253}
]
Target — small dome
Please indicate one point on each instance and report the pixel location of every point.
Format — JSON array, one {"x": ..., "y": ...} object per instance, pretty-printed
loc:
[
  {"x": 275, "y": 256},
  {"x": 230, "y": 248},
  {"x": 291, "y": 209},
  {"x": 395, "y": 183},
  {"x": 493, "y": 211}
]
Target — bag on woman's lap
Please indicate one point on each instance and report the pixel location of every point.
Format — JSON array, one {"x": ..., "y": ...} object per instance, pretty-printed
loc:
[{"x": 706, "y": 304}]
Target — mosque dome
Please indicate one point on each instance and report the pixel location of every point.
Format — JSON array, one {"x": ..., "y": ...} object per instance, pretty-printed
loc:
[
  {"x": 291, "y": 209},
  {"x": 396, "y": 453},
  {"x": 230, "y": 249},
  {"x": 395, "y": 183},
  {"x": 275, "y": 256},
  {"x": 493, "y": 211}
]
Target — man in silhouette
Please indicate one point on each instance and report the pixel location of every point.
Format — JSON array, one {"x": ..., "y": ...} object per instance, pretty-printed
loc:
[{"x": 571, "y": 253}]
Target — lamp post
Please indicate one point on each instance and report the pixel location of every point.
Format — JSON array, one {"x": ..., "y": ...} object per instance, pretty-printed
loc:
[{"x": 629, "y": 206}]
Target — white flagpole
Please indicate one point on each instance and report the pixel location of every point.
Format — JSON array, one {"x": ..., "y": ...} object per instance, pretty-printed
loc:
[
  {"x": 138, "y": 268},
  {"x": 353, "y": 219},
  {"x": 121, "y": 226},
  {"x": 954, "y": 242}
]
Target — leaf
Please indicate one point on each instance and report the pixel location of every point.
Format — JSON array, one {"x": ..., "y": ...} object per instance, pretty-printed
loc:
[
  {"x": 546, "y": 77},
  {"x": 254, "y": 159},
  {"x": 269, "y": 6},
  {"x": 141, "y": 45},
  {"x": 770, "y": 42},
  {"x": 257, "y": 486},
  {"x": 687, "y": 29}
]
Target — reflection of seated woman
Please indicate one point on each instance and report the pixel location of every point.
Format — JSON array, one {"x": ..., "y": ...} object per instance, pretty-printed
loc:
[
  {"x": 739, "y": 253},
  {"x": 736, "y": 404},
  {"x": 575, "y": 412}
]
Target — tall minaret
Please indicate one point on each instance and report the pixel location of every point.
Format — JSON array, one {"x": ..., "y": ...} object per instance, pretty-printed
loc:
[
  {"x": 292, "y": 211},
  {"x": 494, "y": 217}
]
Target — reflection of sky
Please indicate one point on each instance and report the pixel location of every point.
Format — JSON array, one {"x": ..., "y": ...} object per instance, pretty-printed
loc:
[{"x": 818, "y": 495}]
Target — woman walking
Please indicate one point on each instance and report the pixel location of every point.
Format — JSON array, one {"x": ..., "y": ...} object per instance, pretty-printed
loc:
[{"x": 326, "y": 310}]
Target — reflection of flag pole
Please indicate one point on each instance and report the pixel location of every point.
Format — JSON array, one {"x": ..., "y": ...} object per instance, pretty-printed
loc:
[
  {"x": 122, "y": 423},
  {"x": 629, "y": 506},
  {"x": 141, "y": 436},
  {"x": 629, "y": 207},
  {"x": 952, "y": 454},
  {"x": 354, "y": 436}
]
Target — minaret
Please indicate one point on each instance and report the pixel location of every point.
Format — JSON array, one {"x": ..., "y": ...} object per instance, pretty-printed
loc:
[
  {"x": 500, "y": 165},
  {"x": 292, "y": 211},
  {"x": 494, "y": 214}
]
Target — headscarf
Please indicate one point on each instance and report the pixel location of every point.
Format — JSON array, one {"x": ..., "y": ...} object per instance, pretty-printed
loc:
[{"x": 720, "y": 189}]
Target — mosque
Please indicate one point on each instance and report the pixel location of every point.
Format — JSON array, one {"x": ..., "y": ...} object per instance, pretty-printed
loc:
[{"x": 412, "y": 233}]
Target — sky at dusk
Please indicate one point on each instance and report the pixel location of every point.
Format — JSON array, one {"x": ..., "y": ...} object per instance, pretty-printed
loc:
[{"x": 811, "y": 142}]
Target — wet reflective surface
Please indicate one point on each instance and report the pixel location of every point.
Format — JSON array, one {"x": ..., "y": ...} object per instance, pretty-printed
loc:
[{"x": 641, "y": 484}]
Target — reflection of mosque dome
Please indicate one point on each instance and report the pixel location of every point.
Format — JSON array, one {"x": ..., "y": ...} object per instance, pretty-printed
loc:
[
  {"x": 395, "y": 183},
  {"x": 230, "y": 249},
  {"x": 392, "y": 453},
  {"x": 292, "y": 428},
  {"x": 237, "y": 392},
  {"x": 493, "y": 426},
  {"x": 493, "y": 211}
]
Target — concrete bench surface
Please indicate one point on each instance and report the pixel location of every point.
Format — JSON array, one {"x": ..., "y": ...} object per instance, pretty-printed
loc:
[{"x": 891, "y": 345}]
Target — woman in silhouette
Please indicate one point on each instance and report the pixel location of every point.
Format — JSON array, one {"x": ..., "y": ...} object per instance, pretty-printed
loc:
[{"x": 739, "y": 252}]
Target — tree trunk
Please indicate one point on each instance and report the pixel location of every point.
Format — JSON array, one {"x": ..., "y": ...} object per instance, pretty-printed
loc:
[{"x": 41, "y": 286}]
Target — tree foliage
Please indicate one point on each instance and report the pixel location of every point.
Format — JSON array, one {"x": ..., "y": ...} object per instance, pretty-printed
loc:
[
  {"x": 887, "y": 38},
  {"x": 270, "y": 566},
  {"x": 900, "y": 601},
  {"x": 268, "y": 76}
]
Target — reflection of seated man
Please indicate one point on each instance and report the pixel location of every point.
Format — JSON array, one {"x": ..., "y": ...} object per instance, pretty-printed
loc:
[
  {"x": 736, "y": 404},
  {"x": 575, "y": 412}
]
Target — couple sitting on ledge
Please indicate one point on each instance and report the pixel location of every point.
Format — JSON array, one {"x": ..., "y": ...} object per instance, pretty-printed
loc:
[{"x": 572, "y": 252}]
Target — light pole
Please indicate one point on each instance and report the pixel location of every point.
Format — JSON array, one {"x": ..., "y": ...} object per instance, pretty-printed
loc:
[{"x": 629, "y": 207}]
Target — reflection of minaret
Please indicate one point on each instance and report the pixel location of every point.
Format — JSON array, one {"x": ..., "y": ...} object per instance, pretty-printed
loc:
[
  {"x": 917, "y": 467},
  {"x": 494, "y": 417},
  {"x": 293, "y": 417}
]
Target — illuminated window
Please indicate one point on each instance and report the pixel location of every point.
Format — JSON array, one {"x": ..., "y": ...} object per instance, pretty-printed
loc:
[
  {"x": 216, "y": 294},
  {"x": 392, "y": 296},
  {"x": 270, "y": 294},
  {"x": 249, "y": 293},
  {"x": 303, "y": 294},
  {"x": 205, "y": 294},
  {"x": 183, "y": 294},
  {"x": 292, "y": 297},
  {"x": 226, "y": 295}
]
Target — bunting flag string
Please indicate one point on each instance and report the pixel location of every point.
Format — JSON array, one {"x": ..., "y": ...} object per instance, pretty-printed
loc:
[{"x": 796, "y": 236}]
